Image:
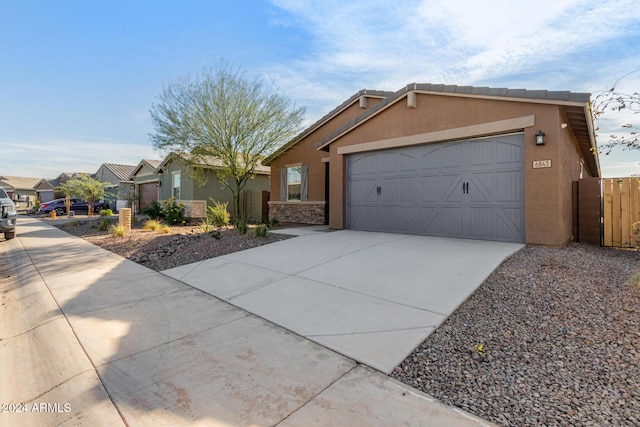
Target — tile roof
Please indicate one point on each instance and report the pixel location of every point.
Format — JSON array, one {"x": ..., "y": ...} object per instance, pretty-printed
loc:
[
  {"x": 19, "y": 183},
  {"x": 123, "y": 172}
]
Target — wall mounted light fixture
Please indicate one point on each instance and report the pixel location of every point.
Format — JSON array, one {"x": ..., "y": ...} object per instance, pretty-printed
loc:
[{"x": 540, "y": 138}]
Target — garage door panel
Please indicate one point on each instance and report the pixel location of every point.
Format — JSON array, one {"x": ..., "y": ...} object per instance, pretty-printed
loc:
[
  {"x": 508, "y": 186},
  {"x": 450, "y": 188},
  {"x": 508, "y": 152},
  {"x": 429, "y": 186},
  {"x": 481, "y": 153},
  {"x": 469, "y": 189},
  {"x": 451, "y": 155}
]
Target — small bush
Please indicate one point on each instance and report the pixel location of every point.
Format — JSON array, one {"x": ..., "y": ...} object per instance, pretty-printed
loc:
[
  {"x": 164, "y": 228},
  {"x": 154, "y": 211},
  {"x": 272, "y": 222},
  {"x": 206, "y": 225},
  {"x": 106, "y": 212},
  {"x": 261, "y": 230},
  {"x": 241, "y": 226},
  {"x": 152, "y": 224},
  {"x": 173, "y": 211},
  {"x": 216, "y": 235},
  {"x": 104, "y": 224},
  {"x": 218, "y": 214},
  {"x": 73, "y": 223},
  {"x": 117, "y": 231}
]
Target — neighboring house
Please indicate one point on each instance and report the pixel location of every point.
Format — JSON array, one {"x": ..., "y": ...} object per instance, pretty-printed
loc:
[
  {"x": 452, "y": 161},
  {"x": 147, "y": 183},
  {"x": 62, "y": 179},
  {"x": 119, "y": 186},
  {"x": 45, "y": 190},
  {"x": 176, "y": 181},
  {"x": 21, "y": 190}
]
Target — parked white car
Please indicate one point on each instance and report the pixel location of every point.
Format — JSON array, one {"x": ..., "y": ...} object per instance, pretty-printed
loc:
[{"x": 8, "y": 215}]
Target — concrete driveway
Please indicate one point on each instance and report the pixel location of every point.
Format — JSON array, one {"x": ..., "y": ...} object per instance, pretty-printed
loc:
[
  {"x": 372, "y": 297},
  {"x": 89, "y": 338}
]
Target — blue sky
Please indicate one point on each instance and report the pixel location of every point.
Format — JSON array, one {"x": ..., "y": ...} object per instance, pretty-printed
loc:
[{"x": 77, "y": 78}]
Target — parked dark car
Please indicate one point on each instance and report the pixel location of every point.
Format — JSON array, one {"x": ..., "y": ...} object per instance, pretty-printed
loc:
[{"x": 77, "y": 205}]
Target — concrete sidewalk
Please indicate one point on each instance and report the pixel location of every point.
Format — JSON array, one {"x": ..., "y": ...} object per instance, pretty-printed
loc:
[{"x": 93, "y": 339}]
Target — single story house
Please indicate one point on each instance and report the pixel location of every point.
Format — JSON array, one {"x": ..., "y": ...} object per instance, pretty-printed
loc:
[
  {"x": 45, "y": 190},
  {"x": 119, "y": 186},
  {"x": 453, "y": 161},
  {"x": 146, "y": 182},
  {"x": 176, "y": 180},
  {"x": 21, "y": 190}
]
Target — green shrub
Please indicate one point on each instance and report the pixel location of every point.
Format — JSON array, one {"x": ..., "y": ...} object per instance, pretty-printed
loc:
[
  {"x": 242, "y": 226},
  {"x": 152, "y": 224},
  {"x": 272, "y": 222},
  {"x": 154, "y": 211},
  {"x": 261, "y": 230},
  {"x": 218, "y": 214},
  {"x": 104, "y": 224},
  {"x": 117, "y": 231},
  {"x": 216, "y": 235},
  {"x": 106, "y": 212},
  {"x": 173, "y": 211},
  {"x": 73, "y": 223}
]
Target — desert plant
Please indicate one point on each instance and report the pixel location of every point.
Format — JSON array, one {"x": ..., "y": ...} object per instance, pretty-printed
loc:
[
  {"x": 216, "y": 235},
  {"x": 152, "y": 224},
  {"x": 261, "y": 230},
  {"x": 173, "y": 211},
  {"x": 218, "y": 214},
  {"x": 154, "y": 211},
  {"x": 117, "y": 231},
  {"x": 106, "y": 212},
  {"x": 206, "y": 226},
  {"x": 164, "y": 228},
  {"x": 73, "y": 223},
  {"x": 242, "y": 226},
  {"x": 104, "y": 224},
  {"x": 272, "y": 222}
]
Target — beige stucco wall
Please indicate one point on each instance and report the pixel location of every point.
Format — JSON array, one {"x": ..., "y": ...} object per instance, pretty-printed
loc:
[{"x": 548, "y": 206}]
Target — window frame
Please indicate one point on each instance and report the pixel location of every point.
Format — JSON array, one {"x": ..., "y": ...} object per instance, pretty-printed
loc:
[
  {"x": 298, "y": 183},
  {"x": 174, "y": 193}
]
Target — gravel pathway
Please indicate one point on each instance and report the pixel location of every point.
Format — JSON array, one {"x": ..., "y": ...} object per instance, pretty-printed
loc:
[{"x": 552, "y": 337}]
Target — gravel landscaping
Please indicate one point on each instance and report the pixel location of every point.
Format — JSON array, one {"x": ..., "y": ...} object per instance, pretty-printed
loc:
[
  {"x": 552, "y": 337},
  {"x": 161, "y": 251}
]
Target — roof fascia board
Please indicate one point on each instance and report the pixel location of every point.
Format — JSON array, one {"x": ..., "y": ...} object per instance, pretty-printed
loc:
[
  {"x": 465, "y": 132},
  {"x": 503, "y": 98},
  {"x": 366, "y": 119},
  {"x": 315, "y": 126},
  {"x": 592, "y": 137}
]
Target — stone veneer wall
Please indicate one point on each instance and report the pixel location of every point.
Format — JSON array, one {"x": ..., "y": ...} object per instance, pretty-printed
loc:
[{"x": 298, "y": 212}]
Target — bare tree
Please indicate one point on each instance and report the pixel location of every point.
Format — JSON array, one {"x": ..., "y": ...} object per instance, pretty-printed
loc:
[
  {"x": 614, "y": 100},
  {"x": 222, "y": 117}
]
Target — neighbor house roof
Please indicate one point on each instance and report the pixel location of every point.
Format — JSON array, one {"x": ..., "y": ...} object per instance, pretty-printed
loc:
[
  {"x": 211, "y": 163},
  {"x": 152, "y": 164},
  {"x": 331, "y": 114},
  {"x": 19, "y": 183},
  {"x": 122, "y": 172},
  {"x": 576, "y": 106}
]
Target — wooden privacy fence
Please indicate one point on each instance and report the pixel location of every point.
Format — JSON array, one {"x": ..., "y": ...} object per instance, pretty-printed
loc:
[
  {"x": 606, "y": 211},
  {"x": 620, "y": 211}
]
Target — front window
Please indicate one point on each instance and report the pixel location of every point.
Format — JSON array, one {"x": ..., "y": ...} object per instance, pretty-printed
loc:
[
  {"x": 176, "y": 185},
  {"x": 294, "y": 182}
]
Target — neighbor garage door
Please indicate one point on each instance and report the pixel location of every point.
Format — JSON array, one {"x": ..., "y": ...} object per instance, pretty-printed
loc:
[
  {"x": 469, "y": 189},
  {"x": 148, "y": 194}
]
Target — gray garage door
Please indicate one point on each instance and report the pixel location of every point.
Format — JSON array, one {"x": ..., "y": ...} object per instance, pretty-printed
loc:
[{"x": 469, "y": 189}]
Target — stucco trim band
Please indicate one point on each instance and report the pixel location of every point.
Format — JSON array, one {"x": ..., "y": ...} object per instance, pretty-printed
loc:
[{"x": 465, "y": 132}]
